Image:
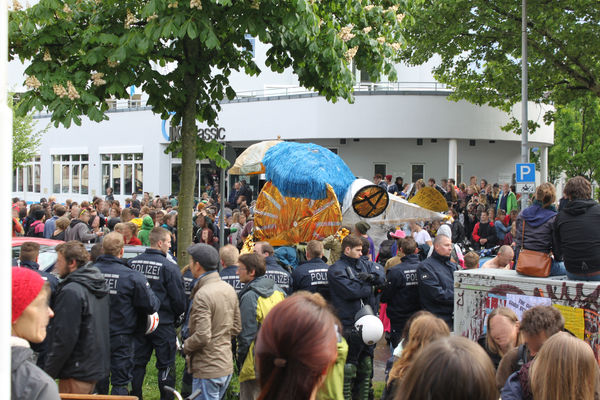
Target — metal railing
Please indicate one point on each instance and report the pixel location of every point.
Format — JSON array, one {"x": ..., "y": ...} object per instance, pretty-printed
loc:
[
  {"x": 361, "y": 87},
  {"x": 133, "y": 104}
]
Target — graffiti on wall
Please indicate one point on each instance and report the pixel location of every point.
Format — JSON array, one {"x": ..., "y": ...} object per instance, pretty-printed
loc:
[{"x": 581, "y": 309}]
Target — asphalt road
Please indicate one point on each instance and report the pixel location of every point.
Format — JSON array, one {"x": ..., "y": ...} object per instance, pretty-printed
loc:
[{"x": 382, "y": 354}]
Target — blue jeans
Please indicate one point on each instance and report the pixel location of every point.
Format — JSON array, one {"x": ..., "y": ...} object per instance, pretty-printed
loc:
[
  {"x": 557, "y": 268},
  {"x": 582, "y": 277},
  {"x": 501, "y": 230},
  {"x": 212, "y": 389}
]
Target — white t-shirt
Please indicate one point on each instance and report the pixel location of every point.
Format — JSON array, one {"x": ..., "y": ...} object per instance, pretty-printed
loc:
[{"x": 421, "y": 237}]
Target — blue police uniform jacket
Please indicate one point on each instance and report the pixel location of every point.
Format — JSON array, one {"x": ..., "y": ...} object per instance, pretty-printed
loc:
[
  {"x": 348, "y": 293},
  {"x": 188, "y": 283},
  {"x": 129, "y": 293},
  {"x": 402, "y": 295},
  {"x": 311, "y": 276},
  {"x": 436, "y": 286},
  {"x": 370, "y": 267},
  {"x": 165, "y": 280},
  {"x": 230, "y": 276},
  {"x": 281, "y": 277}
]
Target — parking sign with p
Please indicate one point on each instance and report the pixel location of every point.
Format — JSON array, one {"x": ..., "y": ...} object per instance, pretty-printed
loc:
[{"x": 525, "y": 173}]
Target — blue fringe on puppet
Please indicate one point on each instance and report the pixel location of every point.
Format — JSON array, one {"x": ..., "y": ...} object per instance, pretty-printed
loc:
[{"x": 302, "y": 170}]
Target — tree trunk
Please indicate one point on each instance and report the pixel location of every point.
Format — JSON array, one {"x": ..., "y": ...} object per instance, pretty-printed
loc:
[{"x": 189, "y": 132}]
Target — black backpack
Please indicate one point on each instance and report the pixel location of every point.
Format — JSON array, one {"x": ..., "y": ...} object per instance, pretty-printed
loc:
[
  {"x": 385, "y": 251},
  {"x": 522, "y": 356},
  {"x": 31, "y": 232}
]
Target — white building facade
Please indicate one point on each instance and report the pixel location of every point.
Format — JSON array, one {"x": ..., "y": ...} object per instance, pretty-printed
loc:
[{"x": 407, "y": 129}]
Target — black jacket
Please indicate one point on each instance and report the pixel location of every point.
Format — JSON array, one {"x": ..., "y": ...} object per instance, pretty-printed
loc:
[
  {"x": 166, "y": 283},
  {"x": 347, "y": 291},
  {"x": 281, "y": 277},
  {"x": 311, "y": 276},
  {"x": 578, "y": 235},
  {"x": 485, "y": 231},
  {"x": 402, "y": 295},
  {"x": 131, "y": 299},
  {"x": 436, "y": 286},
  {"x": 230, "y": 276},
  {"x": 79, "y": 343},
  {"x": 494, "y": 358},
  {"x": 458, "y": 232}
]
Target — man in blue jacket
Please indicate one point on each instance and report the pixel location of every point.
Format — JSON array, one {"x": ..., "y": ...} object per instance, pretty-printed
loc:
[
  {"x": 229, "y": 255},
  {"x": 30, "y": 252},
  {"x": 311, "y": 275},
  {"x": 166, "y": 283},
  {"x": 436, "y": 281},
  {"x": 274, "y": 271},
  {"x": 351, "y": 288},
  {"x": 131, "y": 301},
  {"x": 402, "y": 294}
]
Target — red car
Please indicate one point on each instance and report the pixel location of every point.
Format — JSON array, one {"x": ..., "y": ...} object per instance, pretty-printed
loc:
[{"x": 45, "y": 259}]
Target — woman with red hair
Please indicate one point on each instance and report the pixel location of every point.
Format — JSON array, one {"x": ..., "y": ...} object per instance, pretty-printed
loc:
[
  {"x": 207, "y": 237},
  {"x": 295, "y": 348}
]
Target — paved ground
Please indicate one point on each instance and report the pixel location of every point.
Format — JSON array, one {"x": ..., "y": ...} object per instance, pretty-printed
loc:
[{"x": 382, "y": 353}]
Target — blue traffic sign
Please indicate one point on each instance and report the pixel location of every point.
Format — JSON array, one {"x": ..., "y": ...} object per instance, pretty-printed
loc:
[{"x": 525, "y": 172}]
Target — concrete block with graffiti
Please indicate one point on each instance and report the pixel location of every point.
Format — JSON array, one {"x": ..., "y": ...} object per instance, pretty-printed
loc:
[{"x": 477, "y": 292}]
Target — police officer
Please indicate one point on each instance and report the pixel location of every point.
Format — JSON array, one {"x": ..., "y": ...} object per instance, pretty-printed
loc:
[
  {"x": 373, "y": 273},
  {"x": 435, "y": 276},
  {"x": 165, "y": 280},
  {"x": 274, "y": 271},
  {"x": 311, "y": 275},
  {"x": 229, "y": 255},
  {"x": 131, "y": 301},
  {"x": 29, "y": 255},
  {"x": 370, "y": 271},
  {"x": 402, "y": 296},
  {"x": 188, "y": 282},
  {"x": 351, "y": 288}
]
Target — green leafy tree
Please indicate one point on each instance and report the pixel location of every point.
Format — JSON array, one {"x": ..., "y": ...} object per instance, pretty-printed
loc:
[
  {"x": 26, "y": 140},
  {"x": 83, "y": 52},
  {"x": 479, "y": 42},
  {"x": 577, "y": 139}
]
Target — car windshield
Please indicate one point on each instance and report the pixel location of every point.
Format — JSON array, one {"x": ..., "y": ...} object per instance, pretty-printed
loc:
[{"x": 46, "y": 259}]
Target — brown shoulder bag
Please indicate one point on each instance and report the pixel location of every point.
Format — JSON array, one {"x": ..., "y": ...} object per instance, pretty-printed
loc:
[{"x": 533, "y": 263}]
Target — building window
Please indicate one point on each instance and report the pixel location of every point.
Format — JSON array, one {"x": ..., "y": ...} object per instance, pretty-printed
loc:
[
  {"x": 70, "y": 174},
  {"x": 417, "y": 172},
  {"x": 459, "y": 171},
  {"x": 176, "y": 179},
  {"x": 381, "y": 169},
  {"x": 123, "y": 172},
  {"x": 252, "y": 41},
  {"x": 334, "y": 150},
  {"x": 28, "y": 178}
]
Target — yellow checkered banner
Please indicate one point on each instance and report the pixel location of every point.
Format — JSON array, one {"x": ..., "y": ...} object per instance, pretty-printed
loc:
[{"x": 283, "y": 221}]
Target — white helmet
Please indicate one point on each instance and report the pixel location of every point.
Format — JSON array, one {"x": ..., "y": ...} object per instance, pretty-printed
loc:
[
  {"x": 368, "y": 325},
  {"x": 370, "y": 328},
  {"x": 152, "y": 323}
]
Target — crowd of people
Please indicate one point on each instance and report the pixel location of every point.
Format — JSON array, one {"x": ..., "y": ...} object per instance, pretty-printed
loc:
[{"x": 290, "y": 330}]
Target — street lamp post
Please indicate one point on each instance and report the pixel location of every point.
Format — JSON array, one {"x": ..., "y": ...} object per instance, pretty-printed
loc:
[{"x": 524, "y": 98}]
